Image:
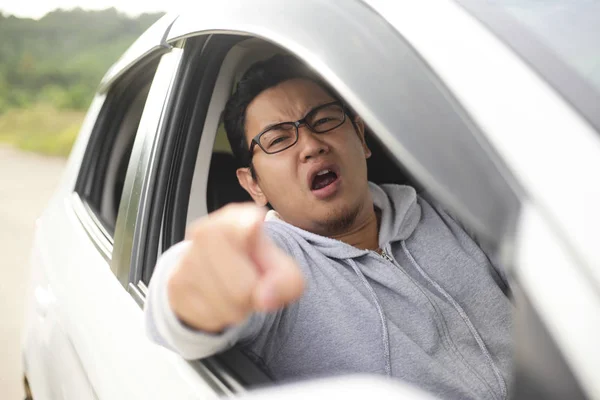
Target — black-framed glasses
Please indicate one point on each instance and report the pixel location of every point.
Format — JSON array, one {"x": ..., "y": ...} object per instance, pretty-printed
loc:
[{"x": 282, "y": 136}]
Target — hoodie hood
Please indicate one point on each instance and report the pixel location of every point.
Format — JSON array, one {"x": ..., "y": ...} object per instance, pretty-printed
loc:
[{"x": 400, "y": 214}]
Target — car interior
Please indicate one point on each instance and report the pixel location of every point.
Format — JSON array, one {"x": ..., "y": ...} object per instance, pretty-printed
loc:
[
  {"x": 103, "y": 175},
  {"x": 213, "y": 184},
  {"x": 212, "y": 190},
  {"x": 116, "y": 167},
  {"x": 221, "y": 185}
]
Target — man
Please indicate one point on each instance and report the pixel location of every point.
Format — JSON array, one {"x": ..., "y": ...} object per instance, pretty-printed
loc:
[{"x": 344, "y": 276}]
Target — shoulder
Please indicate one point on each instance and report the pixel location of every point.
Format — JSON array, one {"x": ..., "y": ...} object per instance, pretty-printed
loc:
[{"x": 281, "y": 235}]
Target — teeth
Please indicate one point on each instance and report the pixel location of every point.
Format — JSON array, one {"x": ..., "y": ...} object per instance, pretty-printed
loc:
[{"x": 323, "y": 172}]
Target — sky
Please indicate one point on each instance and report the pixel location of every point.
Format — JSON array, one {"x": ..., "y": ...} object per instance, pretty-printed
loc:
[{"x": 38, "y": 8}]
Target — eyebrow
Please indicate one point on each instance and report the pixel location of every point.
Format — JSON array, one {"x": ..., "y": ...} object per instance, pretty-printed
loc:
[
  {"x": 307, "y": 110},
  {"x": 266, "y": 128}
]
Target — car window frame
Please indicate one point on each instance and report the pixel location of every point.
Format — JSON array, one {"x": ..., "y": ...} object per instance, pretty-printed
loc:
[
  {"x": 176, "y": 212},
  {"x": 90, "y": 184},
  {"x": 141, "y": 173},
  {"x": 297, "y": 43},
  {"x": 229, "y": 372},
  {"x": 343, "y": 67},
  {"x": 88, "y": 188},
  {"x": 138, "y": 202}
]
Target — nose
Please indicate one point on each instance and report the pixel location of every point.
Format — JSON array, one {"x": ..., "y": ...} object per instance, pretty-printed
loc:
[{"x": 311, "y": 144}]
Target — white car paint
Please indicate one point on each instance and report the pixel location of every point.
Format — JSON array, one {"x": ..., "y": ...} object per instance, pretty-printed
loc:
[
  {"x": 526, "y": 117},
  {"x": 85, "y": 337}
]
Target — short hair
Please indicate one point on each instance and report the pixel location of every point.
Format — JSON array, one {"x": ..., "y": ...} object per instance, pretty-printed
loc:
[{"x": 261, "y": 76}]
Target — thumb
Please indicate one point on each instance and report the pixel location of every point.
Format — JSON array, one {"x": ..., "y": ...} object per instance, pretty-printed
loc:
[{"x": 280, "y": 282}]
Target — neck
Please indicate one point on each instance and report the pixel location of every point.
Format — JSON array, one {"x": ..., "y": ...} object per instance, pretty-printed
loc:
[{"x": 364, "y": 234}]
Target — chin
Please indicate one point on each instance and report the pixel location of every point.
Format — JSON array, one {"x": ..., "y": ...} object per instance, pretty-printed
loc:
[{"x": 339, "y": 219}]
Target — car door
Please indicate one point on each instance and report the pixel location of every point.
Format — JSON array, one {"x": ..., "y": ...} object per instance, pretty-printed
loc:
[
  {"x": 85, "y": 335},
  {"x": 466, "y": 116},
  {"x": 404, "y": 89},
  {"x": 537, "y": 114}
]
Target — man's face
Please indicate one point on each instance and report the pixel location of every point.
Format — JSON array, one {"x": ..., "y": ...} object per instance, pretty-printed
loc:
[{"x": 290, "y": 180}]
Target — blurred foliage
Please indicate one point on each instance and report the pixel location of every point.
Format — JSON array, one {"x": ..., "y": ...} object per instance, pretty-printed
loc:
[
  {"x": 41, "y": 128},
  {"x": 60, "y": 58},
  {"x": 50, "y": 69}
]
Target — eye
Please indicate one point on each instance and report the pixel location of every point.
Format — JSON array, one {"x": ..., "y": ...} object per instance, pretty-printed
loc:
[
  {"x": 278, "y": 136},
  {"x": 323, "y": 121},
  {"x": 278, "y": 139}
]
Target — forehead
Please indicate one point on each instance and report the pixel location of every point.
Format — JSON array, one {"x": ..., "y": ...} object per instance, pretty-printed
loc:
[{"x": 289, "y": 100}]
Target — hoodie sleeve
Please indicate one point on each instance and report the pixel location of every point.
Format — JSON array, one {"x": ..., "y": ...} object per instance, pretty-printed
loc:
[{"x": 164, "y": 328}]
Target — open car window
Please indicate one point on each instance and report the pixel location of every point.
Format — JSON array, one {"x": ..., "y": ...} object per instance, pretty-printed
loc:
[
  {"x": 102, "y": 176},
  {"x": 198, "y": 168}
]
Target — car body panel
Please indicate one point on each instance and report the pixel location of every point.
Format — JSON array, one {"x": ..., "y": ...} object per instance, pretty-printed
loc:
[
  {"x": 85, "y": 334},
  {"x": 106, "y": 338},
  {"x": 141, "y": 157},
  {"x": 473, "y": 64},
  {"x": 525, "y": 118},
  {"x": 151, "y": 41},
  {"x": 563, "y": 295}
]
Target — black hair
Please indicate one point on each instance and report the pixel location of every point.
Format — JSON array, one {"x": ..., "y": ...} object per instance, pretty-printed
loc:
[{"x": 258, "y": 78}]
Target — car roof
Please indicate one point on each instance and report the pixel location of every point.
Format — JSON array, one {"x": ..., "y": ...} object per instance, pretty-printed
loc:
[
  {"x": 199, "y": 18},
  {"x": 154, "y": 38}
]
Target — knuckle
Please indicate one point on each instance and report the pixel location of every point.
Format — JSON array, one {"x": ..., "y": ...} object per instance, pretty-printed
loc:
[
  {"x": 184, "y": 274},
  {"x": 241, "y": 298},
  {"x": 176, "y": 285},
  {"x": 180, "y": 294},
  {"x": 205, "y": 316}
]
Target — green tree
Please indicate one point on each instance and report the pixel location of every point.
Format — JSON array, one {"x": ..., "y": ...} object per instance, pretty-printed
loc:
[{"x": 70, "y": 50}]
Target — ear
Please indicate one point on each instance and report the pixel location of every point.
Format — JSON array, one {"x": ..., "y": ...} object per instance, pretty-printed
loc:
[
  {"x": 251, "y": 186},
  {"x": 359, "y": 126}
]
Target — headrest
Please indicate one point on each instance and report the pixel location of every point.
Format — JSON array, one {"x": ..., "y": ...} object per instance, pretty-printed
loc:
[
  {"x": 223, "y": 186},
  {"x": 380, "y": 166}
]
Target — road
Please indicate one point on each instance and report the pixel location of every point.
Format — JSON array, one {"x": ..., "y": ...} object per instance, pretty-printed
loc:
[{"x": 26, "y": 184}]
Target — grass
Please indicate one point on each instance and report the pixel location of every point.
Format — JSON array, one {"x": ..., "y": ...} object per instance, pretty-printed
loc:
[
  {"x": 48, "y": 130},
  {"x": 42, "y": 129}
]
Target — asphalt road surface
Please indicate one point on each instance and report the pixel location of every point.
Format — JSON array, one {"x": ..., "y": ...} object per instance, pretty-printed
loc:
[{"x": 26, "y": 184}]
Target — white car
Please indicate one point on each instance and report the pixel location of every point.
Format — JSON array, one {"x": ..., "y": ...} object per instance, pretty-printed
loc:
[{"x": 492, "y": 106}]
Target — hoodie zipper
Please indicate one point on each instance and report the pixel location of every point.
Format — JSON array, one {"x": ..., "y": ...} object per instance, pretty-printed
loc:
[{"x": 388, "y": 257}]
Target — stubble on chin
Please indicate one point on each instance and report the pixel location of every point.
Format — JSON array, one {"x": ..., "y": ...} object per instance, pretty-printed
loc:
[{"x": 339, "y": 221}]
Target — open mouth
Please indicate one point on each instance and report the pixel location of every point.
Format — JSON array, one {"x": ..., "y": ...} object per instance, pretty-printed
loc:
[{"x": 323, "y": 179}]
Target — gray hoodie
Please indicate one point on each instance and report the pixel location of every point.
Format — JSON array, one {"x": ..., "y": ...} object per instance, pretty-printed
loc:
[{"x": 432, "y": 310}]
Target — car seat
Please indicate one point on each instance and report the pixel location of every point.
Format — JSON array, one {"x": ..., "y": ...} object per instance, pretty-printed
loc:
[{"x": 223, "y": 186}]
